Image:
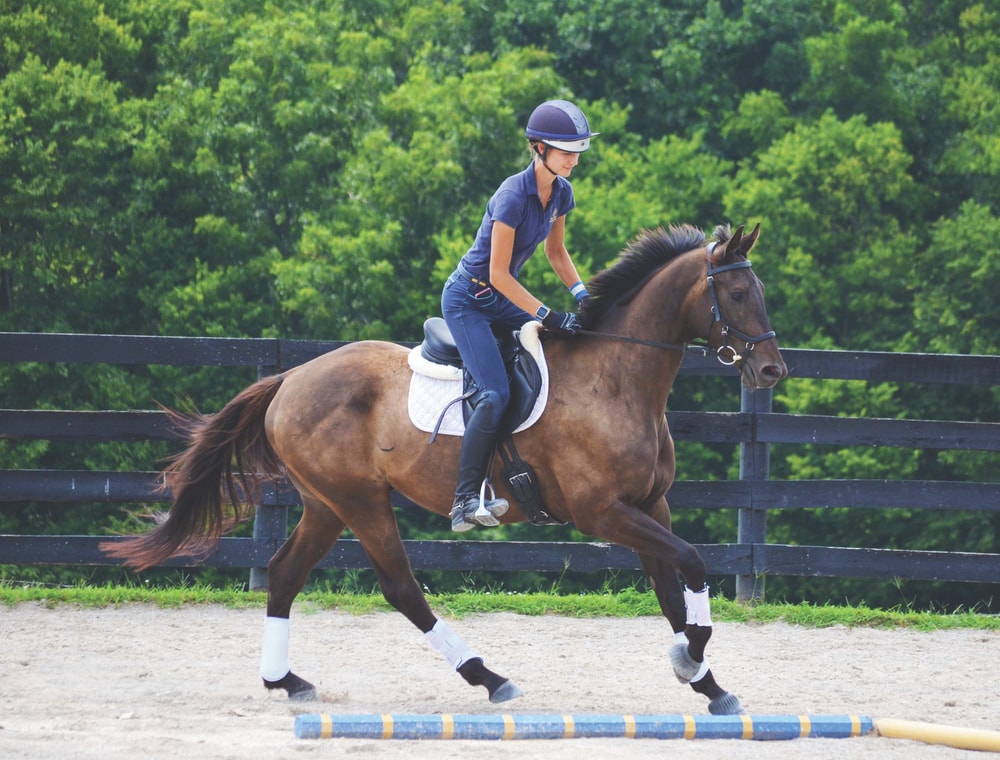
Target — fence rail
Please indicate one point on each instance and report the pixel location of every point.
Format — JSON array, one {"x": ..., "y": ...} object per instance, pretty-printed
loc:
[{"x": 754, "y": 428}]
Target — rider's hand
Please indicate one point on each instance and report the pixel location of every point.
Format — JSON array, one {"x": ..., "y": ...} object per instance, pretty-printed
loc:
[{"x": 562, "y": 322}]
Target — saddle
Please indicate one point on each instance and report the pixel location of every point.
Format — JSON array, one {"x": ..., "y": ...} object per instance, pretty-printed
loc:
[
  {"x": 523, "y": 373},
  {"x": 438, "y": 357}
]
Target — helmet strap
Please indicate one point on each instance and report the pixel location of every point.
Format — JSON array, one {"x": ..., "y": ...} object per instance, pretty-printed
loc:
[{"x": 542, "y": 153}]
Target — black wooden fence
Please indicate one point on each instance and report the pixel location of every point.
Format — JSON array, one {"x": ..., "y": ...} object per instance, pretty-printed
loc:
[{"x": 754, "y": 428}]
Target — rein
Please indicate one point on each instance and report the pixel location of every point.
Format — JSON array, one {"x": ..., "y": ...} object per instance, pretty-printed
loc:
[
  {"x": 693, "y": 347},
  {"x": 726, "y": 354}
]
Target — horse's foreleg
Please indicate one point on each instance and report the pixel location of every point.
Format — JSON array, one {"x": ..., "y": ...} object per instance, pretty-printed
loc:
[
  {"x": 401, "y": 590},
  {"x": 663, "y": 555},
  {"x": 687, "y": 654},
  {"x": 313, "y": 537}
]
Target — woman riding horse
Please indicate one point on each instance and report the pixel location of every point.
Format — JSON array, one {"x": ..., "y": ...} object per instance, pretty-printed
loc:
[{"x": 483, "y": 296}]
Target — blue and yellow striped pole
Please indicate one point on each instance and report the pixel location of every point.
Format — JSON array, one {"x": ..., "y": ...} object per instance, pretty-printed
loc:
[{"x": 448, "y": 726}]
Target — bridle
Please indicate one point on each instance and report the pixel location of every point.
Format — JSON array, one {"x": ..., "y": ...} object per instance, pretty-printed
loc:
[
  {"x": 750, "y": 341},
  {"x": 726, "y": 354}
]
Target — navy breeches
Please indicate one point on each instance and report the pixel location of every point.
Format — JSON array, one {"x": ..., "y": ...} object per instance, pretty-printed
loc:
[{"x": 472, "y": 312}]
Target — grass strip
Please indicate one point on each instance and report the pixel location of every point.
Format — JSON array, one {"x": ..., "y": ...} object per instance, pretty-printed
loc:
[{"x": 624, "y": 604}]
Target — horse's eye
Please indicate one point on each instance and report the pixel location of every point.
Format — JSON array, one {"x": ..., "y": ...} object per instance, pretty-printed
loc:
[{"x": 737, "y": 295}]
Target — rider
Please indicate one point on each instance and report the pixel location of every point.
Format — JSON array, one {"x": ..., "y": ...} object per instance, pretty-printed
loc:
[{"x": 483, "y": 295}]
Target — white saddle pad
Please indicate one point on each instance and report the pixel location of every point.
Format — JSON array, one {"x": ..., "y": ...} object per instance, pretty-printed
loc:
[{"x": 433, "y": 386}]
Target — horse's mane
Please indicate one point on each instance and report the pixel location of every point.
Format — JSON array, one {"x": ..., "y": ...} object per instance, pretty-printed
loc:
[{"x": 643, "y": 255}]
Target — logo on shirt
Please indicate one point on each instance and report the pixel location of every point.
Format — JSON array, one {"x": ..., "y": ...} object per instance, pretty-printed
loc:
[{"x": 555, "y": 215}]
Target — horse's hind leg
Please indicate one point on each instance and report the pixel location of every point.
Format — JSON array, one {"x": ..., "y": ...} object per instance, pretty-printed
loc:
[
  {"x": 379, "y": 535},
  {"x": 287, "y": 572}
]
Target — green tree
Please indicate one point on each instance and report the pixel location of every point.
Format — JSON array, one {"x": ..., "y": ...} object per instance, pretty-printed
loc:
[
  {"x": 829, "y": 196},
  {"x": 852, "y": 64},
  {"x": 80, "y": 32},
  {"x": 278, "y": 124},
  {"x": 64, "y": 136},
  {"x": 971, "y": 163}
]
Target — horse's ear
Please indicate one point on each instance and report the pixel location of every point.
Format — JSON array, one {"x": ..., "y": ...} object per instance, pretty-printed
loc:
[
  {"x": 740, "y": 244},
  {"x": 750, "y": 240},
  {"x": 732, "y": 246}
]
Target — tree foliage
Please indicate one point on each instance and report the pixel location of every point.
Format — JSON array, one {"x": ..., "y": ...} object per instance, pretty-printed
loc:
[{"x": 314, "y": 168}]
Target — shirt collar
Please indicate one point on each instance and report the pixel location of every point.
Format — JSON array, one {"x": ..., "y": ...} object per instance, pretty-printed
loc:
[{"x": 531, "y": 181}]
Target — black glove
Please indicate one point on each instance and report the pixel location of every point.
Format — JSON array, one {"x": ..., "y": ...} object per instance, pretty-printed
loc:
[{"x": 562, "y": 321}]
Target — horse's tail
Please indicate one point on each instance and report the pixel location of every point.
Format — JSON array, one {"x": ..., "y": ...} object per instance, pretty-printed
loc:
[{"x": 214, "y": 482}]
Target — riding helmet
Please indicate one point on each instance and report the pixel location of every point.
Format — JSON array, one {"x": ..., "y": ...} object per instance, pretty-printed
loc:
[{"x": 560, "y": 125}]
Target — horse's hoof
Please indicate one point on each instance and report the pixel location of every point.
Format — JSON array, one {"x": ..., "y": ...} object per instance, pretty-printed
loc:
[
  {"x": 505, "y": 692},
  {"x": 684, "y": 667},
  {"x": 726, "y": 704},
  {"x": 298, "y": 689},
  {"x": 306, "y": 695}
]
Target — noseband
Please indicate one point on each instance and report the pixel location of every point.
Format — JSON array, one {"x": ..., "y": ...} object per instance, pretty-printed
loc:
[{"x": 726, "y": 354}]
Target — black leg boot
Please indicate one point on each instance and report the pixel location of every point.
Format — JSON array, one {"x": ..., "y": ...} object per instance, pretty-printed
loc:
[{"x": 477, "y": 449}]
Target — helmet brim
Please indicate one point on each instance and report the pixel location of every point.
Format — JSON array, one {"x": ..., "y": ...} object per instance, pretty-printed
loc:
[{"x": 578, "y": 145}]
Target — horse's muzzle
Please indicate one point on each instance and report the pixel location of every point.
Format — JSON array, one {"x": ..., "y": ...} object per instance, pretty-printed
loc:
[{"x": 761, "y": 375}]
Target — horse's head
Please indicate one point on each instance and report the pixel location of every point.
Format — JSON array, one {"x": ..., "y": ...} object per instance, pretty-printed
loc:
[
  {"x": 740, "y": 331},
  {"x": 657, "y": 292}
]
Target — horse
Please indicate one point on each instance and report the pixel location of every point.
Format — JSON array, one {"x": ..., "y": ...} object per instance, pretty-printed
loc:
[{"x": 337, "y": 428}]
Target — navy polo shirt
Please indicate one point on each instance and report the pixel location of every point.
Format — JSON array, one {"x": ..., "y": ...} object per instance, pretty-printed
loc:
[{"x": 517, "y": 204}]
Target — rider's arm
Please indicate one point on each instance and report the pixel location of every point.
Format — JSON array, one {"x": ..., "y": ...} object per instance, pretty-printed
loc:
[{"x": 558, "y": 256}]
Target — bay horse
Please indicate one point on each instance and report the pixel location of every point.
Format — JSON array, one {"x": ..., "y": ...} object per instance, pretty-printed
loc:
[{"x": 337, "y": 427}]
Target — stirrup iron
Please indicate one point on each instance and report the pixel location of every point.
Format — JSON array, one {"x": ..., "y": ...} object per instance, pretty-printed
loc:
[{"x": 497, "y": 508}]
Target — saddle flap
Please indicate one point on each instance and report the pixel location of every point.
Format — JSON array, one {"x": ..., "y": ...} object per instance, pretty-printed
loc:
[{"x": 525, "y": 380}]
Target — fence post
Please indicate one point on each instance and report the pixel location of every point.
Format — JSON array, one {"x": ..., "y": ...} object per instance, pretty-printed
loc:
[
  {"x": 270, "y": 521},
  {"x": 754, "y": 466}
]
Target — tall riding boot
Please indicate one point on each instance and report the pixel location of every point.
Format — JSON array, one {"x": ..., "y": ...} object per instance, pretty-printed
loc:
[{"x": 471, "y": 507}]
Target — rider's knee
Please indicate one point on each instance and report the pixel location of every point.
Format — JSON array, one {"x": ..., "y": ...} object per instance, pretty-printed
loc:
[
  {"x": 490, "y": 406},
  {"x": 494, "y": 400}
]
